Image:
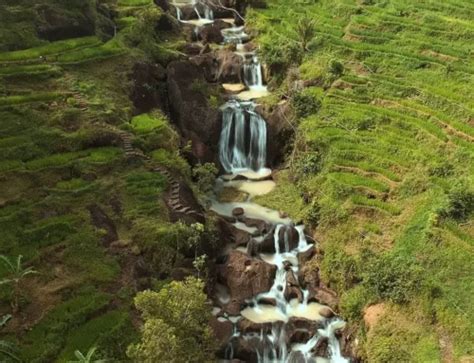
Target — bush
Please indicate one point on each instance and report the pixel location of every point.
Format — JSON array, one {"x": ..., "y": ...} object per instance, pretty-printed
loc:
[
  {"x": 391, "y": 277},
  {"x": 353, "y": 302},
  {"x": 336, "y": 68},
  {"x": 460, "y": 200},
  {"x": 280, "y": 53},
  {"x": 205, "y": 175},
  {"x": 306, "y": 102}
]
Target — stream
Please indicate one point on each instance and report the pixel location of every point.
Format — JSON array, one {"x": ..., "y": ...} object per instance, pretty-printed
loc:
[{"x": 243, "y": 156}]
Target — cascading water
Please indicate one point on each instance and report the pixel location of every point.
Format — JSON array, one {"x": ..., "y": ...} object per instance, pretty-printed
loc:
[
  {"x": 243, "y": 141},
  {"x": 253, "y": 73},
  {"x": 272, "y": 346},
  {"x": 242, "y": 149},
  {"x": 234, "y": 35},
  {"x": 206, "y": 18}
]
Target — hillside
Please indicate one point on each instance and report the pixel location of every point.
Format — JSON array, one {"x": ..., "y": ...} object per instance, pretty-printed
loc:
[
  {"x": 113, "y": 180},
  {"x": 383, "y": 162}
]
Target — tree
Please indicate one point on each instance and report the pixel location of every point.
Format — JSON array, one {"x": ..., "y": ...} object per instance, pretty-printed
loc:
[
  {"x": 16, "y": 273},
  {"x": 176, "y": 325},
  {"x": 306, "y": 31},
  {"x": 81, "y": 358}
]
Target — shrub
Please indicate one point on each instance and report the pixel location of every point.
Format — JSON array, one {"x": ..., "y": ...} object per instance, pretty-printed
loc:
[
  {"x": 205, "y": 175},
  {"x": 460, "y": 200},
  {"x": 305, "y": 30},
  {"x": 353, "y": 302},
  {"x": 391, "y": 277},
  {"x": 306, "y": 102},
  {"x": 280, "y": 53},
  {"x": 336, "y": 68}
]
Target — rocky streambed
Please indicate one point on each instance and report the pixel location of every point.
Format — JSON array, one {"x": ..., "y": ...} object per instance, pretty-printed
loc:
[{"x": 268, "y": 306}]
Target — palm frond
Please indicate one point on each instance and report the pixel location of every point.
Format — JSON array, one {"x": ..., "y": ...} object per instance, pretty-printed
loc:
[{"x": 6, "y": 261}]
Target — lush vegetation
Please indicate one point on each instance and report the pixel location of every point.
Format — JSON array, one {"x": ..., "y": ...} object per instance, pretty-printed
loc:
[
  {"x": 175, "y": 328},
  {"x": 73, "y": 206},
  {"x": 382, "y": 163}
]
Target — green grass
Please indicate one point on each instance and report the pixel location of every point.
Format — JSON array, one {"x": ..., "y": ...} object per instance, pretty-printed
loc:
[
  {"x": 45, "y": 340},
  {"x": 146, "y": 123},
  {"x": 93, "y": 333},
  {"x": 134, "y": 2},
  {"x": 355, "y": 180},
  {"x": 29, "y": 70},
  {"x": 38, "y": 97},
  {"x": 360, "y": 200},
  {"x": 51, "y": 48}
]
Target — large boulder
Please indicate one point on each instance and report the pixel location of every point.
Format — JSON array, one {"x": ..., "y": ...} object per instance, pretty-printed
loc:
[
  {"x": 189, "y": 106},
  {"x": 223, "y": 66},
  {"x": 148, "y": 87},
  {"x": 212, "y": 33},
  {"x": 229, "y": 67},
  {"x": 246, "y": 277},
  {"x": 163, "y": 4},
  {"x": 288, "y": 238},
  {"x": 222, "y": 329},
  {"x": 324, "y": 296}
]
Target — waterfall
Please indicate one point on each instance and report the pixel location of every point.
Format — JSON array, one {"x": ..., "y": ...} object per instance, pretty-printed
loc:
[
  {"x": 253, "y": 73},
  {"x": 243, "y": 140},
  {"x": 179, "y": 13},
  {"x": 234, "y": 35}
]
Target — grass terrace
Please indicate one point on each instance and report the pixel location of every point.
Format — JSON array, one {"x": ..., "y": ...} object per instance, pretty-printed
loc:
[{"x": 391, "y": 150}]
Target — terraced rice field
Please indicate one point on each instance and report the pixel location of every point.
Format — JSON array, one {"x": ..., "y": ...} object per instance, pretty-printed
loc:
[{"x": 394, "y": 133}]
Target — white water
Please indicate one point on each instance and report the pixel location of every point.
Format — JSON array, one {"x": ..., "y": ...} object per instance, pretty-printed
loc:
[
  {"x": 242, "y": 151},
  {"x": 253, "y": 73},
  {"x": 202, "y": 19},
  {"x": 234, "y": 35},
  {"x": 270, "y": 347},
  {"x": 243, "y": 141}
]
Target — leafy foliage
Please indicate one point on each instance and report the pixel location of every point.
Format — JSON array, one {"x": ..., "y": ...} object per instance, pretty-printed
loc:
[
  {"x": 175, "y": 328},
  {"x": 394, "y": 278},
  {"x": 15, "y": 274},
  {"x": 205, "y": 175}
]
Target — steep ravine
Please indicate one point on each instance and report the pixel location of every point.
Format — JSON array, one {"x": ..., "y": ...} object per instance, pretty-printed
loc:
[{"x": 267, "y": 307}]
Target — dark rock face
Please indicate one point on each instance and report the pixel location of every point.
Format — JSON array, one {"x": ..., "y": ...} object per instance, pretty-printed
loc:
[
  {"x": 279, "y": 131},
  {"x": 164, "y": 4},
  {"x": 54, "y": 23},
  {"x": 222, "y": 330},
  {"x": 304, "y": 257},
  {"x": 102, "y": 221},
  {"x": 212, "y": 33},
  {"x": 246, "y": 326},
  {"x": 148, "y": 87},
  {"x": 324, "y": 296},
  {"x": 288, "y": 238},
  {"x": 246, "y": 277},
  {"x": 299, "y": 330},
  {"x": 189, "y": 107},
  {"x": 223, "y": 66}
]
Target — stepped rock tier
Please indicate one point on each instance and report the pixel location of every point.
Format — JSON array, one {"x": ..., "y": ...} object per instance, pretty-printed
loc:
[{"x": 265, "y": 309}]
